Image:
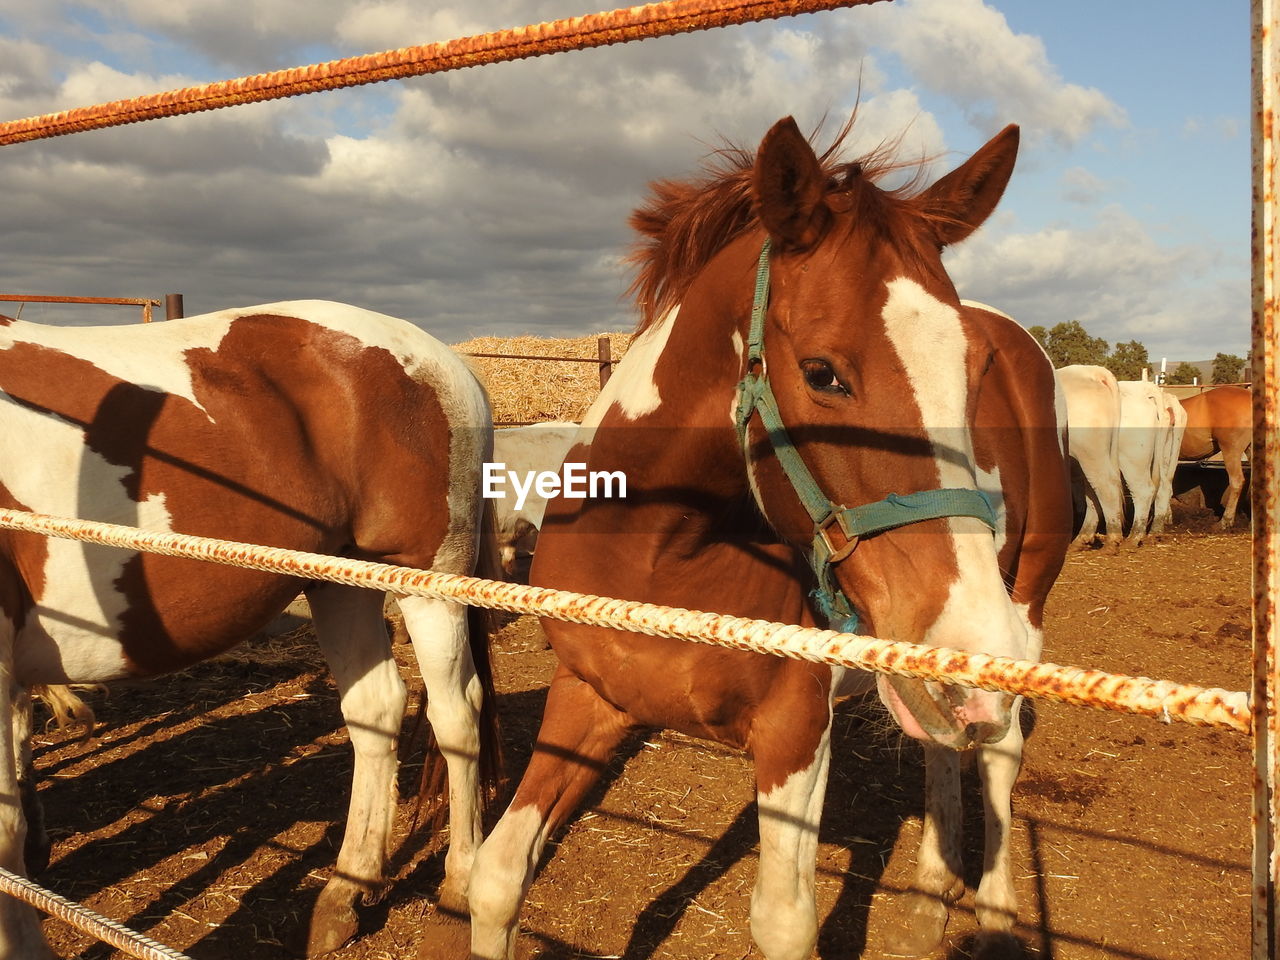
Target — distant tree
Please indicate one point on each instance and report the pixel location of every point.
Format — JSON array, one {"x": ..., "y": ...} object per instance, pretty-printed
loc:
[
  {"x": 1183, "y": 373},
  {"x": 1228, "y": 368},
  {"x": 1068, "y": 343},
  {"x": 1128, "y": 360},
  {"x": 1040, "y": 334}
]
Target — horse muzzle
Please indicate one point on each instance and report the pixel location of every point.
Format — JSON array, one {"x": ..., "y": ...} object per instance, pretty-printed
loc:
[{"x": 946, "y": 714}]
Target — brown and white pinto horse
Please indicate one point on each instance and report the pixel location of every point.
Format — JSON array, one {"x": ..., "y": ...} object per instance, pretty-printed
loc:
[
  {"x": 1220, "y": 421},
  {"x": 886, "y": 384},
  {"x": 311, "y": 425}
]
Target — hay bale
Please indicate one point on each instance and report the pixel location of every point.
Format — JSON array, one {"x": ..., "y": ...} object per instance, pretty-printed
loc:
[{"x": 531, "y": 391}]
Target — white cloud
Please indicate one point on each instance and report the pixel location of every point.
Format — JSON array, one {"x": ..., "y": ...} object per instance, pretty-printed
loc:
[
  {"x": 1082, "y": 186},
  {"x": 1114, "y": 278},
  {"x": 495, "y": 200},
  {"x": 966, "y": 51}
]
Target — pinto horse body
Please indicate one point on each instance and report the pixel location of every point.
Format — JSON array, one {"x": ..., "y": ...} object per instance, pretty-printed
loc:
[
  {"x": 310, "y": 425},
  {"x": 886, "y": 384}
]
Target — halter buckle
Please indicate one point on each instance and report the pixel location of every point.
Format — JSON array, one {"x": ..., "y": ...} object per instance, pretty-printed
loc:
[{"x": 832, "y": 519}]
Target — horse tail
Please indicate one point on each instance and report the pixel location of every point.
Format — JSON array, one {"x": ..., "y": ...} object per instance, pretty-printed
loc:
[{"x": 479, "y": 629}]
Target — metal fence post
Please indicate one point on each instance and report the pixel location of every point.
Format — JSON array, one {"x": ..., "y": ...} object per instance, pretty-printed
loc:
[
  {"x": 1265, "y": 482},
  {"x": 173, "y": 306}
]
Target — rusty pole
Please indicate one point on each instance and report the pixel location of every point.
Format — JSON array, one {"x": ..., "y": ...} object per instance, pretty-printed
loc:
[
  {"x": 1265, "y": 483},
  {"x": 603, "y": 351}
]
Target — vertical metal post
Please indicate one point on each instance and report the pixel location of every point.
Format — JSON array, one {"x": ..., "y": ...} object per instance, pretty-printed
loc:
[
  {"x": 1265, "y": 481},
  {"x": 604, "y": 352},
  {"x": 146, "y": 311},
  {"x": 173, "y": 306}
]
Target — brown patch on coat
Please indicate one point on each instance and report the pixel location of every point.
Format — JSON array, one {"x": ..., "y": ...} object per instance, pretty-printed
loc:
[{"x": 311, "y": 441}]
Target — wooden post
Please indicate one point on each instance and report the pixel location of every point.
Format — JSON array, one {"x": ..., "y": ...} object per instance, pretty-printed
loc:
[
  {"x": 603, "y": 351},
  {"x": 173, "y": 306}
]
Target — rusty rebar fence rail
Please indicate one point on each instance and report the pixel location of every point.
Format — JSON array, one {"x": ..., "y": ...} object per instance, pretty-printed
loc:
[
  {"x": 576, "y": 33},
  {"x": 1090, "y": 688}
]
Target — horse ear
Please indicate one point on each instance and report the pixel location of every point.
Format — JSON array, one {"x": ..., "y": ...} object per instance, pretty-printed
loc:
[
  {"x": 965, "y": 197},
  {"x": 789, "y": 185}
]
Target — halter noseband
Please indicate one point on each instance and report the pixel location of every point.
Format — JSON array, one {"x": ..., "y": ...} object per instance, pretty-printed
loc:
[{"x": 756, "y": 396}]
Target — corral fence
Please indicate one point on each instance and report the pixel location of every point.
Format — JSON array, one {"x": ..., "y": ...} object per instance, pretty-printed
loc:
[
  {"x": 1253, "y": 711},
  {"x": 603, "y": 358},
  {"x": 172, "y": 302}
]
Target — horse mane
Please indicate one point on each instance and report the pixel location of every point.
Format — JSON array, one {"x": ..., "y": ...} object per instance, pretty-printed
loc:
[{"x": 684, "y": 223}]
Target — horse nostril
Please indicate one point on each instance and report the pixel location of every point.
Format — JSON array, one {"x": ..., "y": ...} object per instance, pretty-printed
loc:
[{"x": 981, "y": 732}]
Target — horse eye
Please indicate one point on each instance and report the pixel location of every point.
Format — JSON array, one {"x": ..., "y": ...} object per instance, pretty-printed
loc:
[{"x": 819, "y": 375}]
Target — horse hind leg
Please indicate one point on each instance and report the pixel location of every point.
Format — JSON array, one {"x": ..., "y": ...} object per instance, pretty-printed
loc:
[
  {"x": 348, "y": 624},
  {"x": 439, "y": 632},
  {"x": 20, "y": 935},
  {"x": 36, "y": 847},
  {"x": 580, "y": 733},
  {"x": 1235, "y": 478}
]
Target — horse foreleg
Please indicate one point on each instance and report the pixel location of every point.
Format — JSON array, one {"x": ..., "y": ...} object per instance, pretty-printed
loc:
[
  {"x": 348, "y": 624},
  {"x": 784, "y": 913},
  {"x": 580, "y": 733},
  {"x": 20, "y": 935},
  {"x": 939, "y": 881},
  {"x": 997, "y": 901},
  {"x": 439, "y": 633}
]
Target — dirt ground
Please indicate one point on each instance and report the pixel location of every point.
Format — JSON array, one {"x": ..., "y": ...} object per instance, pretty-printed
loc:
[{"x": 206, "y": 811}]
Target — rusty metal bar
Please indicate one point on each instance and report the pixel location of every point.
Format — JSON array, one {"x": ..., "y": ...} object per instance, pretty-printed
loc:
[
  {"x": 142, "y": 302},
  {"x": 1265, "y": 483},
  {"x": 531, "y": 356},
  {"x": 1091, "y": 688},
  {"x": 86, "y": 920},
  {"x": 576, "y": 33}
]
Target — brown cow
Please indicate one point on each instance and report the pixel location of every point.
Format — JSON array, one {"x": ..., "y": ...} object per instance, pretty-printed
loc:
[{"x": 1220, "y": 420}]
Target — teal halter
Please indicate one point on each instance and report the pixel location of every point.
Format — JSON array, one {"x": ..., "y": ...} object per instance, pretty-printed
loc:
[{"x": 756, "y": 396}]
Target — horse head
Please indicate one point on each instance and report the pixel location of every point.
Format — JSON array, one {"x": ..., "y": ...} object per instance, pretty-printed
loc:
[{"x": 859, "y": 388}]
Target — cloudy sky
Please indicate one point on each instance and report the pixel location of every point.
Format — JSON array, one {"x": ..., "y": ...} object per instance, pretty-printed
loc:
[{"x": 494, "y": 200}]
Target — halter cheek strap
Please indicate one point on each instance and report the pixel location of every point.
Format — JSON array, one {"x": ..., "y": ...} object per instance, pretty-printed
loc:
[{"x": 853, "y": 523}]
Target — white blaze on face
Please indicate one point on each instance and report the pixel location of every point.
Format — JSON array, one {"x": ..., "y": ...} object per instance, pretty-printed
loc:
[{"x": 930, "y": 341}]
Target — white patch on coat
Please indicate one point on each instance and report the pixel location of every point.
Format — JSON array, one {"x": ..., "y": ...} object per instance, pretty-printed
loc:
[
  {"x": 930, "y": 341},
  {"x": 80, "y": 606},
  {"x": 152, "y": 355},
  {"x": 989, "y": 483},
  {"x": 632, "y": 388},
  {"x": 783, "y": 903}
]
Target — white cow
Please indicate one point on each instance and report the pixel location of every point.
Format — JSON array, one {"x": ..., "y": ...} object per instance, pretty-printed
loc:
[
  {"x": 1175, "y": 427},
  {"x": 537, "y": 448},
  {"x": 1093, "y": 423},
  {"x": 1143, "y": 443}
]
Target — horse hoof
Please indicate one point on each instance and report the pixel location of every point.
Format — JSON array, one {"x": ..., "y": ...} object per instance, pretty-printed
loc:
[
  {"x": 35, "y": 855},
  {"x": 997, "y": 946},
  {"x": 924, "y": 920},
  {"x": 333, "y": 923}
]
